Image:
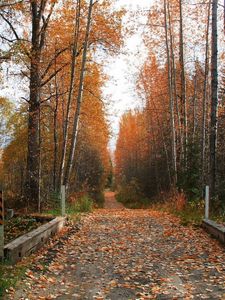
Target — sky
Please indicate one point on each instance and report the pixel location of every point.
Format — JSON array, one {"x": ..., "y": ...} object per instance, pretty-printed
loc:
[{"x": 119, "y": 91}]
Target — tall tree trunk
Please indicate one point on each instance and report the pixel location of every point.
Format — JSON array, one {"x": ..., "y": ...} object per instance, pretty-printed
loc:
[
  {"x": 38, "y": 32},
  {"x": 33, "y": 155},
  {"x": 194, "y": 106},
  {"x": 40, "y": 165},
  {"x": 174, "y": 84},
  {"x": 55, "y": 135},
  {"x": 204, "y": 103},
  {"x": 214, "y": 99},
  {"x": 79, "y": 99},
  {"x": 183, "y": 84},
  {"x": 70, "y": 94},
  {"x": 55, "y": 145},
  {"x": 172, "y": 121}
]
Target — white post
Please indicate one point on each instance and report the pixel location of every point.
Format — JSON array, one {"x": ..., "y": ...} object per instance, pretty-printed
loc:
[
  {"x": 1, "y": 226},
  {"x": 63, "y": 200},
  {"x": 206, "y": 202}
]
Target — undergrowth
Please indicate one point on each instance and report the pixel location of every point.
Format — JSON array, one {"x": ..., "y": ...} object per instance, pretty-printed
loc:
[
  {"x": 99, "y": 199},
  {"x": 176, "y": 203},
  {"x": 131, "y": 196},
  {"x": 9, "y": 276},
  {"x": 82, "y": 205}
]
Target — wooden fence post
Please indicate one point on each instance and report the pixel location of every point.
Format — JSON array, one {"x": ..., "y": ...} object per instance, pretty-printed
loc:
[
  {"x": 63, "y": 200},
  {"x": 1, "y": 226},
  {"x": 207, "y": 202}
]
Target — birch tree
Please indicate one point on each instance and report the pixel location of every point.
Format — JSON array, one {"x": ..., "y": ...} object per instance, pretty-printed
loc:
[
  {"x": 214, "y": 99},
  {"x": 79, "y": 98}
]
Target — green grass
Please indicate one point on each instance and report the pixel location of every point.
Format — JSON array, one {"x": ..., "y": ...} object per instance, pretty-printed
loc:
[
  {"x": 190, "y": 216},
  {"x": 9, "y": 276},
  {"x": 82, "y": 205}
]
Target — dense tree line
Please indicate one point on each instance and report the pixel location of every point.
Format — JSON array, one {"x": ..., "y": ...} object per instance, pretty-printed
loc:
[{"x": 177, "y": 138}]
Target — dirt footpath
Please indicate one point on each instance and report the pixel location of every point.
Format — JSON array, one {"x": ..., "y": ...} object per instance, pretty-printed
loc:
[
  {"x": 121, "y": 254},
  {"x": 110, "y": 201}
]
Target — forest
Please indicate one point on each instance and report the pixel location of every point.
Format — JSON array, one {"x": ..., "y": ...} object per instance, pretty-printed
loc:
[
  {"x": 175, "y": 142},
  {"x": 58, "y": 134}
]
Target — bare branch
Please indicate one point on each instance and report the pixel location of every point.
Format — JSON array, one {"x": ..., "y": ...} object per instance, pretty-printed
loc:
[
  {"x": 45, "y": 25},
  {"x": 52, "y": 61},
  {"x": 53, "y": 96},
  {"x": 10, "y": 4},
  {"x": 23, "y": 98},
  {"x": 11, "y": 26},
  {"x": 15, "y": 33},
  {"x": 53, "y": 74}
]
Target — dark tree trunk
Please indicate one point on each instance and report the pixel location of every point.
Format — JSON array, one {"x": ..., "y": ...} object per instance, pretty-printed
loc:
[
  {"x": 183, "y": 85},
  {"x": 33, "y": 154},
  {"x": 170, "y": 88},
  {"x": 204, "y": 103},
  {"x": 214, "y": 99}
]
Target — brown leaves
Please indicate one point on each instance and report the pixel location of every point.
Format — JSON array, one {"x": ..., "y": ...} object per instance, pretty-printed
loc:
[{"x": 117, "y": 254}]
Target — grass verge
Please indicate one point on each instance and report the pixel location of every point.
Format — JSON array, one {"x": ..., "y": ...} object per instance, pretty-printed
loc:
[
  {"x": 9, "y": 276},
  {"x": 189, "y": 212},
  {"x": 82, "y": 205}
]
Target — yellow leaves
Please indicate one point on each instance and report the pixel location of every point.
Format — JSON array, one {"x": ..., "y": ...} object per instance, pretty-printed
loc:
[
  {"x": 113, "y": 283},
  {"x": 29, "y": 274},
  {"x": 56, "y": 266}
]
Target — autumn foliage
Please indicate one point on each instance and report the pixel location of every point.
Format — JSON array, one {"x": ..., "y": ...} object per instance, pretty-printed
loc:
[
  {"x": 166, "y": 143},
  {"x": 60, "y": 134}
]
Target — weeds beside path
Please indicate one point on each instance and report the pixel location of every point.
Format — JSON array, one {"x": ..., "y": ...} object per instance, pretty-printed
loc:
[{"x": 123, "y": 254}]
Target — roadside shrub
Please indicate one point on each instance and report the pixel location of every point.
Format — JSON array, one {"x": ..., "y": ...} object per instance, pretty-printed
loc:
[
  {"x": 84, "y": 204},
  {"x": 176, "y": 203}
]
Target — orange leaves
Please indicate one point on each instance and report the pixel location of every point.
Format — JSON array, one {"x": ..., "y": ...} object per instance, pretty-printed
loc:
[
  {"x": 137, "y": 254},
  {"x": 131, "y": 144}
]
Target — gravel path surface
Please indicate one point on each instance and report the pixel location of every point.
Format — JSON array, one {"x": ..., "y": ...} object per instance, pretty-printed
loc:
[{"x": 121, "y": 254}]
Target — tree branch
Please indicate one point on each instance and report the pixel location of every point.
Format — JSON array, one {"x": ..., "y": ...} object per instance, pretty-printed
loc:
[
  {"x": 52, "y": 61},
  {"x": 15, "y": 33},
  {"x": 45, "y": 25},
  {"x": 10, "y": 4},
  {"x": 53, "y": 74}
]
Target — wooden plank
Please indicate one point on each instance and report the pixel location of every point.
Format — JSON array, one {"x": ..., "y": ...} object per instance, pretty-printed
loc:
[
  {"x": 63, "y": 200},
  {"x": 207, "y": 202},
  {"x": 32, "y": 241},
  {"x": 1, "y": 225},
  {"x": 216, "y": 230}
]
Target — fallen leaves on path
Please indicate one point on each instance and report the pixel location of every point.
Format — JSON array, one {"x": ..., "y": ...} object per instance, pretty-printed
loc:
[{"x": 129, "y": 254}]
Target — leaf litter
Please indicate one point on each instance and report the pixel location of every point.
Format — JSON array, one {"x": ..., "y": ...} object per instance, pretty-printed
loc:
[{"x": 127, "y": 254}]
